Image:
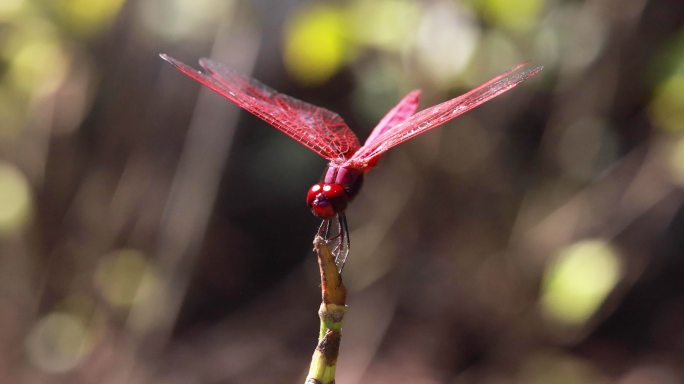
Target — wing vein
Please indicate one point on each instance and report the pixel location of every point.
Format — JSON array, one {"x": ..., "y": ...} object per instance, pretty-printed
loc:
[{"x": 319, "y": 129}]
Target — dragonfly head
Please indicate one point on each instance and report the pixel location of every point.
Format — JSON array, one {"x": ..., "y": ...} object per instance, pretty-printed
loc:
[{"x": 327, "y": 200}]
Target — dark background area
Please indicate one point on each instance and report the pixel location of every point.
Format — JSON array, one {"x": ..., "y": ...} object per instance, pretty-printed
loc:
[{"x": 151, "y": 232}]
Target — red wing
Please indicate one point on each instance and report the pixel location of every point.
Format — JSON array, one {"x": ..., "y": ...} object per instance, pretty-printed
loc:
[
  {"x": 439, "y": 114},
  {"x": 400, "y": 113},
  {"x": 319, "y": 129}
]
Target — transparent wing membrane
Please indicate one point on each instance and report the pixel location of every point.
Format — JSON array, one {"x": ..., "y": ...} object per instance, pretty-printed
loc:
[
  {"x": 319, "y": 129},
  {"x": 439, "y": 114}
]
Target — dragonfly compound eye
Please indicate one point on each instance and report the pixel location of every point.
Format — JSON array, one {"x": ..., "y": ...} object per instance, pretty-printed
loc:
[{"x": 326, "y": 200}]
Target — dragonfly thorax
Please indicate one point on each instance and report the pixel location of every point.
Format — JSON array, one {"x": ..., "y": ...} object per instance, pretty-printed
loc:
[{"x": 339, "y": 186}]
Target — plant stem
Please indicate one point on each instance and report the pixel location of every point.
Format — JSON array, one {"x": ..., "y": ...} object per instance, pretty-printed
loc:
[{"x": 331, "y": 313}]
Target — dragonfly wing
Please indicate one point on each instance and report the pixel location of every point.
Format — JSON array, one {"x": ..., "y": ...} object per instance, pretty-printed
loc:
[
  {"x": 402, "y": 111},
  {"x": 439, "y": 114},
  {"x": 319, "y": 129}
]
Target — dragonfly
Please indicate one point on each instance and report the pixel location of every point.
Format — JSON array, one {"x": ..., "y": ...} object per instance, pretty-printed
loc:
[{"x": 325, "y": 132}]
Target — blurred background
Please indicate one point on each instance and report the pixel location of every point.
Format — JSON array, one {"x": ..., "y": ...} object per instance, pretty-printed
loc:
[{"x": 151, "y": 232}]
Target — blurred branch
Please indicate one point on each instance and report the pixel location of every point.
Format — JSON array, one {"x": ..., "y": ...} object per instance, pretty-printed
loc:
[{"x": 196, "y": 181}]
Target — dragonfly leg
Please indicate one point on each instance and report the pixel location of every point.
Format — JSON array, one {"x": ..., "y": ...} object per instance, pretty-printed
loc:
[
  {"x": 338, "y": 237},
  {"x": 342, "y": 249},
  {"x": 324, "y": 230}
]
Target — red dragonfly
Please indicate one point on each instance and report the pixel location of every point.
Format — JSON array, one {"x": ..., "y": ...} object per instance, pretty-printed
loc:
[{"x": 325, "y": 133}]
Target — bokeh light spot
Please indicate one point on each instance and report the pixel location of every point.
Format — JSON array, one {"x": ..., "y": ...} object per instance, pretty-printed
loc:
[
  {"x": 677, "y": 161},
  {"x": 511, "y": 14},
  {"x": 121, "y": 275},
  {"x": 88, "y": 16},
  {"x": 557, "y": 367},
  {"x": 394, "y": 23},
  {"x": 58, "y": 343},
  {"x": 667, "y": 106},
  {"x": 447, "y": 39},
  {"x": 15, "y": 199},
  {"x": 183, "y": 19},
  {"x": 37, "y": 60},
  {"x": 495, "y": 53},
  {"x": 578, "y": 281},
  {"x": 10, "y": 8},
  {"x": 580, "y": 36},
  {"x": 315, "y": 44}
]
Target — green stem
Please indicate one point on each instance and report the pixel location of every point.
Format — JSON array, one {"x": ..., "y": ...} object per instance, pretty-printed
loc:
[{"x": 331, "y": 313}]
